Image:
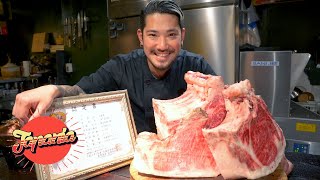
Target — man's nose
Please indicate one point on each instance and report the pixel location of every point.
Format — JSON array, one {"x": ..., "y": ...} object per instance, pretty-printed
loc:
[{"x": 162, "y": 43}]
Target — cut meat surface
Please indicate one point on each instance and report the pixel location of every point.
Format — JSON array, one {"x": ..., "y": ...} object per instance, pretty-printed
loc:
[
  {"x": 202, "y": 91},
  {"x": 179, "y": 148},
  {"x": 211, "y": 129},
  {"x": 248, "y": 143},
  {"x": 184, "y": 154}
]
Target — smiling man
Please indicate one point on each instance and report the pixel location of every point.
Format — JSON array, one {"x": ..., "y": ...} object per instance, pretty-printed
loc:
[
  {"x": 154, "y": 71},
  {"x": 161, "y": 38}
]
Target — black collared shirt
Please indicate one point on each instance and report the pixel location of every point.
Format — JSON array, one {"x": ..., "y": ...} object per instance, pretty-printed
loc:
[{"x": 131, "y": 72}]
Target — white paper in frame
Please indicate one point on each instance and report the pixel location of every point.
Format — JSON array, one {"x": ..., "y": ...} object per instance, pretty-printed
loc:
[{"x": 106, "y": 133}]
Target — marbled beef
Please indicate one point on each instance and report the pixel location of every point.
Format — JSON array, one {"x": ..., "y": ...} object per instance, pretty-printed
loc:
[
  {"x": 211, "y": 129},
  {"x": 248, "y": 143}
]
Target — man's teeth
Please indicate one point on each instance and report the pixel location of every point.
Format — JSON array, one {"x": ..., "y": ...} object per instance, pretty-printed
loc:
[{"x": 162, "y": 55}]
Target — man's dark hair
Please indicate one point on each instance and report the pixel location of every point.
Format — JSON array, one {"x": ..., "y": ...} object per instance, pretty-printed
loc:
[{"x": 161, "y": 6}]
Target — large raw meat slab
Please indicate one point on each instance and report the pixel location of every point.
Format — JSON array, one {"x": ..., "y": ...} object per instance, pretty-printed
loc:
[
  {"x": 211, "y": 129},
  {"x": 179, "y": 148},
  {"x": 248, "y": 143}
]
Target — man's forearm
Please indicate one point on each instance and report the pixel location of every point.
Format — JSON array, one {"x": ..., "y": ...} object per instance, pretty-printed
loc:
[{"x": 65, "y": 90}]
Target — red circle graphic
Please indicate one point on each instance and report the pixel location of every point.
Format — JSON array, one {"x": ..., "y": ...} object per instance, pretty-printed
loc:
[{"x": 44, "y": 125}]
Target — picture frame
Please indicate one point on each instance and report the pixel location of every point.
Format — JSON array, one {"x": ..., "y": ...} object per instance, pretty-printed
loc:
[{"x": 106, "y": 135}]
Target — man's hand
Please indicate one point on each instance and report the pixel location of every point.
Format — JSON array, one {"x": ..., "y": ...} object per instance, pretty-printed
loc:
[
  {"x": 286, "y": 165},
  {"x": 32, "y": 103}
]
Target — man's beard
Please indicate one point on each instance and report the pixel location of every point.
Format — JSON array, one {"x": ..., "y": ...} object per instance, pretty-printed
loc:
[{"x": 161, "y": 67}]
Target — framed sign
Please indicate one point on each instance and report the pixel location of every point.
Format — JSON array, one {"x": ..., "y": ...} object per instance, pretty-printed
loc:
[{"x": 106, "y": 133}]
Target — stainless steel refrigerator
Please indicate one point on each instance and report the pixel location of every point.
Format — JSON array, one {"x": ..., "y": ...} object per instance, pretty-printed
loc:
[{"x": 211, "y": 30}]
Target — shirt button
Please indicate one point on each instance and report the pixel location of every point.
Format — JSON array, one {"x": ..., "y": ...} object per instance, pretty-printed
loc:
[{"x": 148, "y": 82}]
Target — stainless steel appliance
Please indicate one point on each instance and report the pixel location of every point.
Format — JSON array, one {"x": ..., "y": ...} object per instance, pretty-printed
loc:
[
  {"x": 269, "y": 75},
  {"x": 211, "y": 30},
  {"x": 273, "y": 74}
]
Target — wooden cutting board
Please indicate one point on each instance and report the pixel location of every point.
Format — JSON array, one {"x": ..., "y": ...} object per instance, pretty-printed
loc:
[{"x": 278, "y": 174}]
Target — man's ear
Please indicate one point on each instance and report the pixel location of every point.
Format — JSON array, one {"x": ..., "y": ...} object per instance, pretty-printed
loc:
[
  {"x": 139, "y": 34},
  {"x": 183, "y": 32}
]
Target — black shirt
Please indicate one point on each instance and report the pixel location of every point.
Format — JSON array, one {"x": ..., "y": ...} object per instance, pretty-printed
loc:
[{"x": 131, "y": 72}]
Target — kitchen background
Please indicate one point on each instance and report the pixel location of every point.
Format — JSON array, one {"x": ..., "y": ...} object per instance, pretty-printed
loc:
[
  {"x": 284, "y": 25},
  {"x": 36, "y": 16}
]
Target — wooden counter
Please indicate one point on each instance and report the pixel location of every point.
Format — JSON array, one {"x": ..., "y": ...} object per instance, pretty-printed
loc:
[
  {"x": 306, "y": 166},
  {"x": 6, "y": 174}
]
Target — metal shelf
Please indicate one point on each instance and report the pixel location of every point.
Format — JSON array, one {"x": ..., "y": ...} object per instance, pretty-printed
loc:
[{"x": 10, "y": 80}]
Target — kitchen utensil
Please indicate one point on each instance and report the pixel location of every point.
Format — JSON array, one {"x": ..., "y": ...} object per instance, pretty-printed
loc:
[
  {"x": 305, "y": 97},
  {"x": 295, "y": 93},
  {"x": 10, "y": 70},
  {"x": 26, "y": 68},
  {"x": 79, "y": 21},
  {"x": 85, "y": 31}
]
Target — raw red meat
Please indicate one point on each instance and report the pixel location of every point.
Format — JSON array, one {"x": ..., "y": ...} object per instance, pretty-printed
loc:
[
  {"x": 179, "y": 148},
  {"x": 202, "y": 92},
  {"x": 211, "y": 129},
  {"x": 183, "y": 154},
  {"x": 248, "y": 143}
]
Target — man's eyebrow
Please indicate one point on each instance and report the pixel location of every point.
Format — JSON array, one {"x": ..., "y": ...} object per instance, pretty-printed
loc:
[
  {"x": 151, "y": 30},
  {"x": 155, "y": 31},
  {"x": 172, "y": 30}
]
